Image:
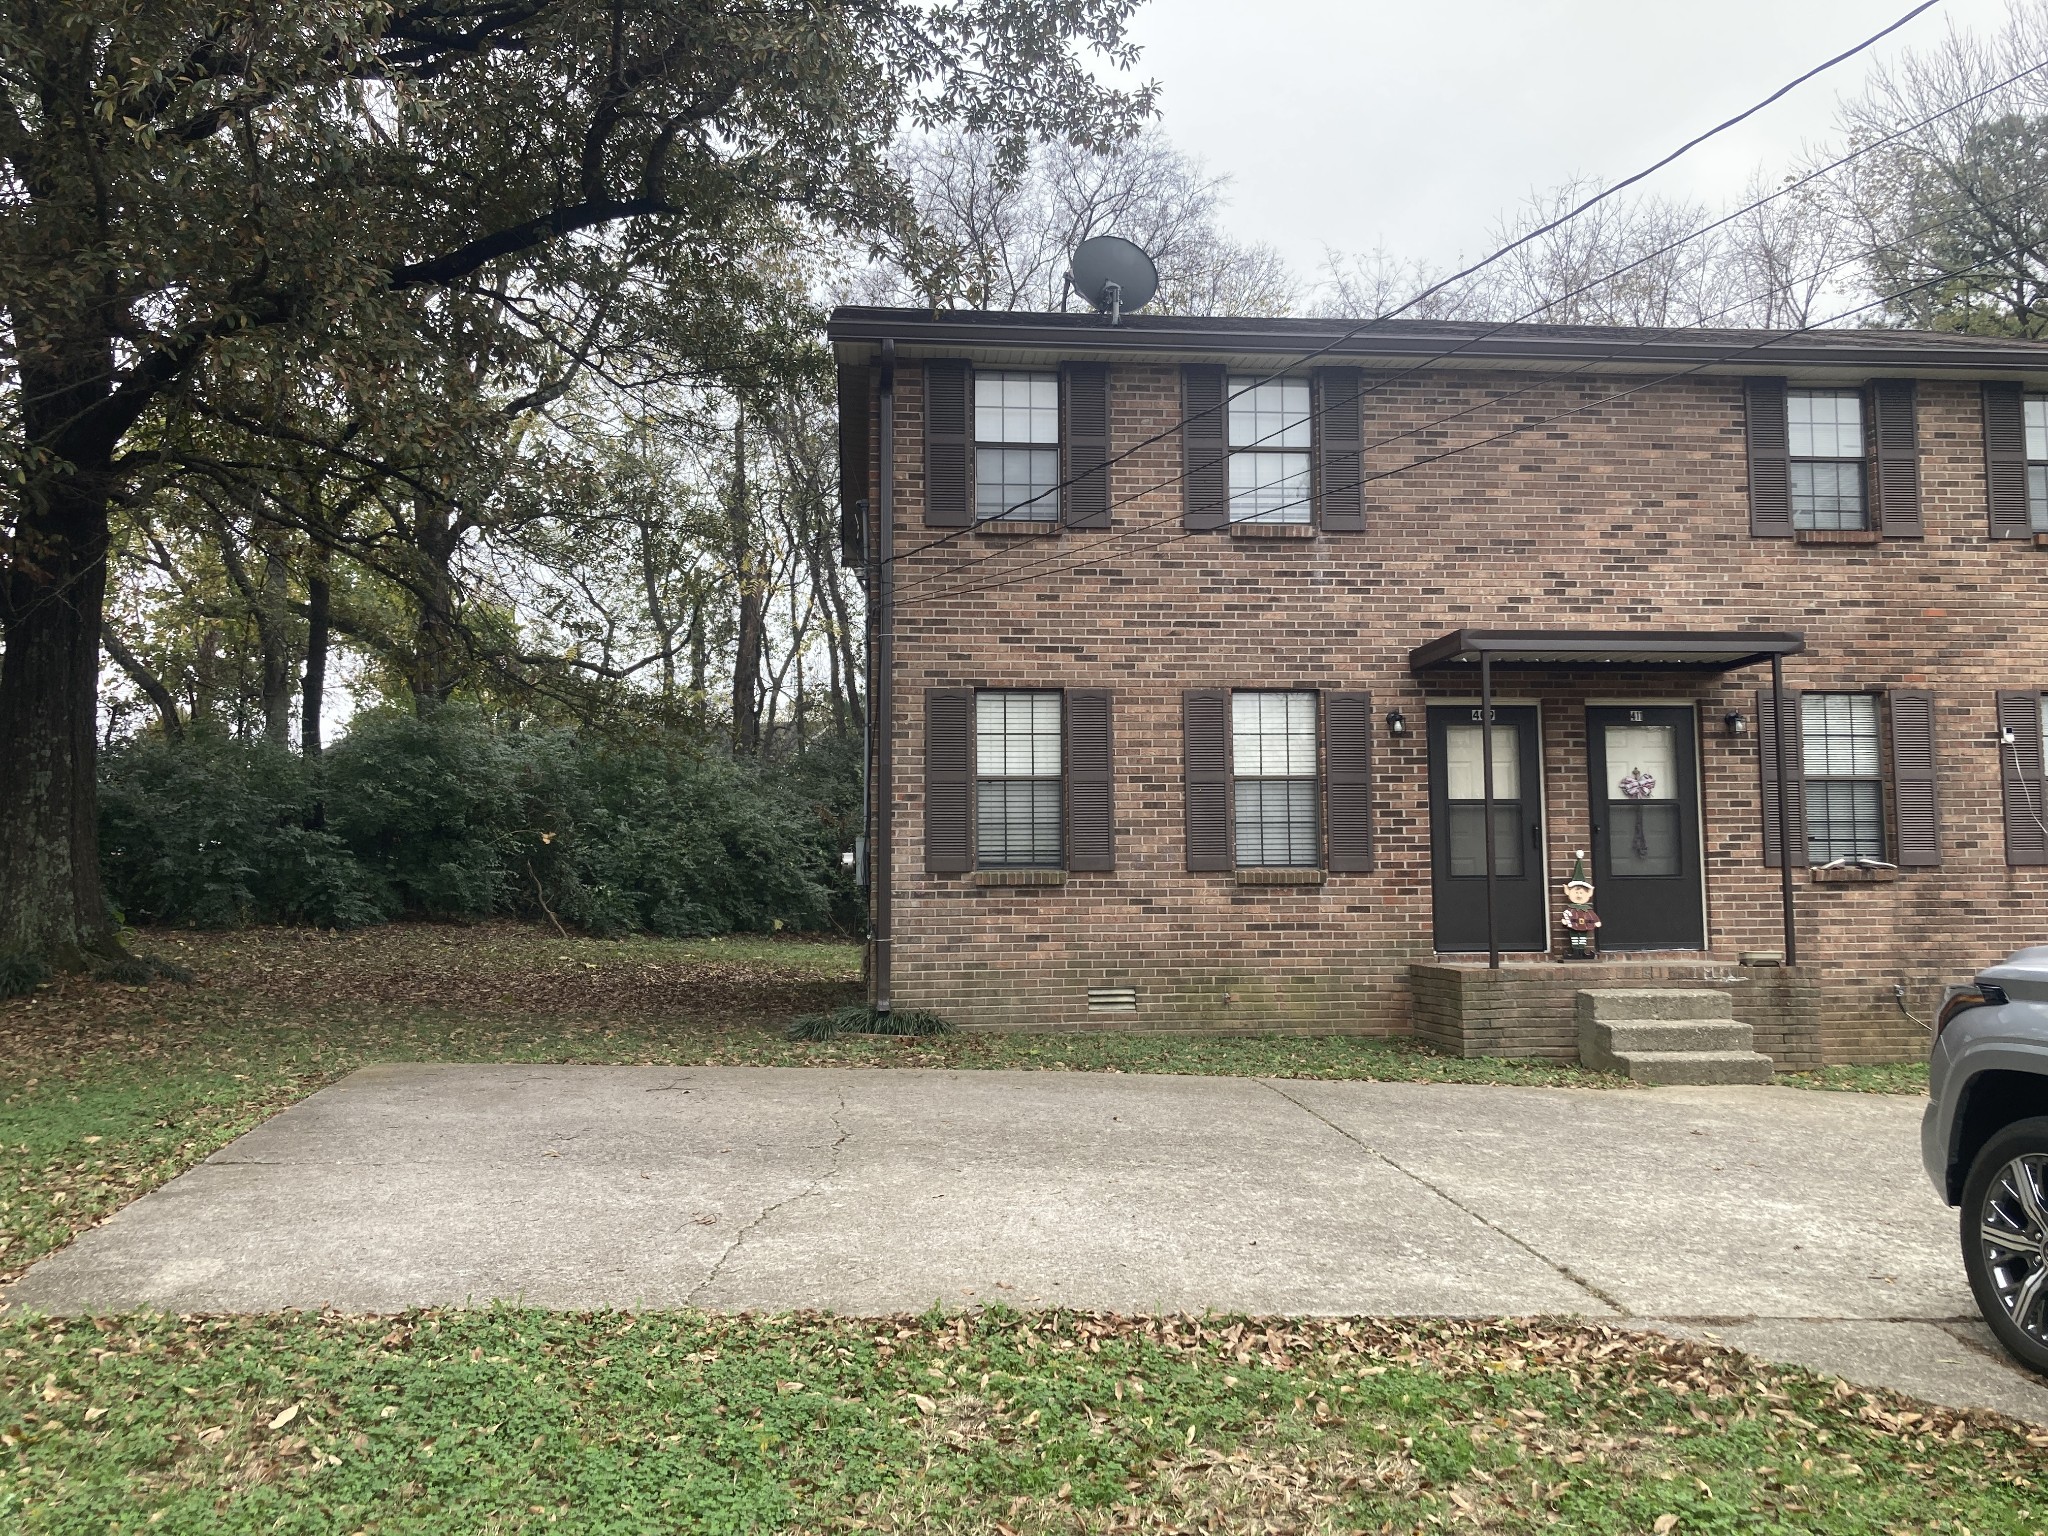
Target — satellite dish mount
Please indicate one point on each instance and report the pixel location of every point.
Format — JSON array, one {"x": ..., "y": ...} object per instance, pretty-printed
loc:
[{"x": 1114, "y": 275}]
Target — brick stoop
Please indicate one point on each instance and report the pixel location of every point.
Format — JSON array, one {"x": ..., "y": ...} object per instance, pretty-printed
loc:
[{"x": 1668, "y": 1035}]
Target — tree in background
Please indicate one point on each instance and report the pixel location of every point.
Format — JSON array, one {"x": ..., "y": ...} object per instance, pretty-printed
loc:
[
  {"x": 995, "y": 230},
  {"x": 1955, "y": 209},
  {"x": 418, "y": 215}
]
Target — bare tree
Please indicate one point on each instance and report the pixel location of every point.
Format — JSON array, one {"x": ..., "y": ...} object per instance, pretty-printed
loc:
[
  {"x": 1950, "y": 205},
  {"x": 1786, "y": 263},
  {"x": 996, "y": 234}
]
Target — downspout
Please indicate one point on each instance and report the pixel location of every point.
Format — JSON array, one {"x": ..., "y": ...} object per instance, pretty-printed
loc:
[
  {"x": 1784, "y": 807},
  {"x": 1486, "y": 784},
  {"x": 881, "y": 693}
]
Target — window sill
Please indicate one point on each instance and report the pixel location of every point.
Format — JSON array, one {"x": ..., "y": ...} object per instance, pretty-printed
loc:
[
  {"x": 2041, "y": 541},
  {"x": 1852, "y": 876},
  {"x": 1837, "y": 536},
  {"x": 1272, "y": 530},
  {"x": 1014, "y": 528},
  {"x": 1288, "y": 876},
  {"x": 1020, "y": 877}
]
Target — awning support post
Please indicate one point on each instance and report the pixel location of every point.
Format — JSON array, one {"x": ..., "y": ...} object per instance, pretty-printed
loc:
[
  {"x": 1784, "y": 808},
  {"x": 1486, "y": 783}
]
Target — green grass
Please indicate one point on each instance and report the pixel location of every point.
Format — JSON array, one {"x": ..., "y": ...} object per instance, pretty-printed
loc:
[
  {"x": 514, "y": 1421},
  {"x": 509, "y": 1420},
  {"x": 1909, "y": 1077}
]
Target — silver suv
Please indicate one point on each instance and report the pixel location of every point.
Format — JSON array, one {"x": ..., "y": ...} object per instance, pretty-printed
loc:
[{"x": 1985, "y": 1142}]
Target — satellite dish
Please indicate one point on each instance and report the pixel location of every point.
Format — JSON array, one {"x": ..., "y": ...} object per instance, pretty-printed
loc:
[{"x": 1113, "y": 274}]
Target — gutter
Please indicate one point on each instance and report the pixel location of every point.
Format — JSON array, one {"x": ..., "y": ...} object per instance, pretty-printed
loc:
[
  {"x": 1907, "y": 354},
  {"x": 881, "y": 693}
]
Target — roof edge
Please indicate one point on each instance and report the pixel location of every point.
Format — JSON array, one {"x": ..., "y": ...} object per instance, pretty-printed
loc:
[{"x": 1398, "y": 340}]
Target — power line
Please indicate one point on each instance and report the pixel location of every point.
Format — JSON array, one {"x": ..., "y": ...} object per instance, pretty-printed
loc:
[
  {"x": 971, "y": 588},
  {"x": 924, "y": 583},
  {"x": 1591, "y": 202}
]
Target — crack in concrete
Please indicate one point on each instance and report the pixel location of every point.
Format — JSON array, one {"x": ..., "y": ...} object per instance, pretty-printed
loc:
[
  {"x": 817, "y": 1183},
  {"x": 1452, "y": 1200}
]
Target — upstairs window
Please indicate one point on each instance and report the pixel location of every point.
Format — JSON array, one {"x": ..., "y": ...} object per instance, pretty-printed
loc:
[
  {"x": 1016, "y": 446},
  {"x": 1844, "y": 776},
  {"x": 1269, "y": 450},
  {"x": 1273, "y": 767},
  {"x": 1017, "y": 779},
  {"x": 1826, "y": 434},
  {"x": 2037, "y": 462}
]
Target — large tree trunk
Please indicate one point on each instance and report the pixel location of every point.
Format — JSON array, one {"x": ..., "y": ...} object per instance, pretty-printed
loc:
[{"x": 55, "y": 592}]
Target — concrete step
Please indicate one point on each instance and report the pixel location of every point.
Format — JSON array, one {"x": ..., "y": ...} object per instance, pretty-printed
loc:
[
  {"x": 1674, "y": 1067},
  {"x": 1634, "y": 1004},
  {"x": 1668, "y": 1035}
]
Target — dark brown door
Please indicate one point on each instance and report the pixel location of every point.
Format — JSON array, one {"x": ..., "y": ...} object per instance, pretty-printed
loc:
[
  {"x": 1643, "y": 768},
  {"x": 1457, "y": 836}
]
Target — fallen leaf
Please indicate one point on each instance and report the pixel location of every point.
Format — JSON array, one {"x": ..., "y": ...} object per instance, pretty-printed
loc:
[
  {"x": 293, "y": 1412},
  {"x": 1665, "y": 1524}
]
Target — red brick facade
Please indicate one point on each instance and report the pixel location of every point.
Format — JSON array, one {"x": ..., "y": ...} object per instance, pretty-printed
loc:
[{"x": 1627, "y": 514}]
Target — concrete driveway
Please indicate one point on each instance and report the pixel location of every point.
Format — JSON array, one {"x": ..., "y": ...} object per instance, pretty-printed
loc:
[{"x": 1793, "y": 1223}]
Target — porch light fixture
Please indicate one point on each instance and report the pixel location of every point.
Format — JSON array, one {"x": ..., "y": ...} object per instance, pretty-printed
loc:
[
  {"x": 1737, "y": 722},
  {"x": 1397, "y": 723}
]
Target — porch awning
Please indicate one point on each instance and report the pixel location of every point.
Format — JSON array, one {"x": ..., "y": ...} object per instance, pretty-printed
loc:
[{"x": 1598, "y": 649}]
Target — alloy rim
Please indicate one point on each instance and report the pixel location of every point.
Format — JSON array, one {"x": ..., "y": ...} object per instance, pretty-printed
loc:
[{"x": 2013, "y": 1227}]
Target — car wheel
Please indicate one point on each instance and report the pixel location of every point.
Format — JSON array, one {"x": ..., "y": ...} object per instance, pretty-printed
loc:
[{"x": 2005, "y": 1238}]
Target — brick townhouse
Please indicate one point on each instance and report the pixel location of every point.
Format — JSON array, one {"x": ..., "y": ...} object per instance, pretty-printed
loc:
[{"x": 1181, "y": 631}]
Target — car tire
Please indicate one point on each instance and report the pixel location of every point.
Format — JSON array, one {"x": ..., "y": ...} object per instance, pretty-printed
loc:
[{"x": 2011, "y": 1279}]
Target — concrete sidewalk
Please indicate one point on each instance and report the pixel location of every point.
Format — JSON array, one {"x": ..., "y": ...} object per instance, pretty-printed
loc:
[{"x": 1794, "y": 1223}]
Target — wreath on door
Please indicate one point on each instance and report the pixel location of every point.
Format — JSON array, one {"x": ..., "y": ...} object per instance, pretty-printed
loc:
[{"x": 1638, "y": 785}]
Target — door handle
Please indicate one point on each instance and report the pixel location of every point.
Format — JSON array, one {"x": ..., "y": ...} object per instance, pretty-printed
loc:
[{"x": 1536, "y": 835}]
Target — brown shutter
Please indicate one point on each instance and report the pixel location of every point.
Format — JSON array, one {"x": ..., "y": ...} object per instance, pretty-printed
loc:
[
  {"x": 1340, "y": 451},
  {"x": 1770, "y": 721},
  {"x": 948, "y": 445},
  {"x": 1913, "y": 791},
  {"x": 854, "y": 471},
  {"x": 1897, "y": 440},
  {"x": 1770, "y": 458},
  {"x": 1084, "y": 435},
  {"x": 2019, "y": 772},
  {"x": 2005, "y": 461},
  {"x": 1205, "y": 758},
  {"x": 948, "y": 781},
  {"x": 1091, "y": 803},
  {"x": 1204, "y": 447},
  {"x": 1347, "y": 786}
]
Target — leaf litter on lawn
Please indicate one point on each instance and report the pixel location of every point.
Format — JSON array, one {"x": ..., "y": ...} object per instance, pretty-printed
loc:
[{"x": 990, "y": 1422}]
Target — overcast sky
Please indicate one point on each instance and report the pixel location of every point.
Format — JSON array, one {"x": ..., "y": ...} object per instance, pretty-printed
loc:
[{"x": 1356, "y": 123}]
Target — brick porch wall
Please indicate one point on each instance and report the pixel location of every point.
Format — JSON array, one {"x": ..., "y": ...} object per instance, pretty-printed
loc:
[{"x": 1633, "y": 515}]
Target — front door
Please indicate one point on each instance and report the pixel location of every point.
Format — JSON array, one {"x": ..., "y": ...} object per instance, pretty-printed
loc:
[
  {"x": 1643, "y": 768},
  {"x": 1457, "y": 821}
]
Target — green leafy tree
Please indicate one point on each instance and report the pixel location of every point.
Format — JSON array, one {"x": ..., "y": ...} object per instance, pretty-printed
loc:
[
  {"x": 1949, "y": 202},
  {"x": 205, "y": 200}
]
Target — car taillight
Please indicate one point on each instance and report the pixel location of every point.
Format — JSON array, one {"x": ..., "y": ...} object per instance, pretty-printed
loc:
[{"x": 1979, "y": 994}]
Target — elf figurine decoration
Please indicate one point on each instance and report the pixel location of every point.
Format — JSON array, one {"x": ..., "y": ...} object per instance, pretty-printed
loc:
[{"x": 1580, "y": 920}]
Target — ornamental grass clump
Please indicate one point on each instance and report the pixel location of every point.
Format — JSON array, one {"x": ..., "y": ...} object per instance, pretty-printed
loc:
[{"x": 863, "y": 1019}]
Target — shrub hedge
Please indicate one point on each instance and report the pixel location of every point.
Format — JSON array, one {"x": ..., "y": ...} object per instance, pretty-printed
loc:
[{"x": 445, "y": 816}]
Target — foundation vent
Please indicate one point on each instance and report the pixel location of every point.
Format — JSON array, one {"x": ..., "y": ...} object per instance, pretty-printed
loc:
[{"x": 1112, "y": 999}]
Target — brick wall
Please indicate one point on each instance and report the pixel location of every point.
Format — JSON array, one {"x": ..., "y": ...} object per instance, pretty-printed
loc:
[{"x": 1632, "y": 514}]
